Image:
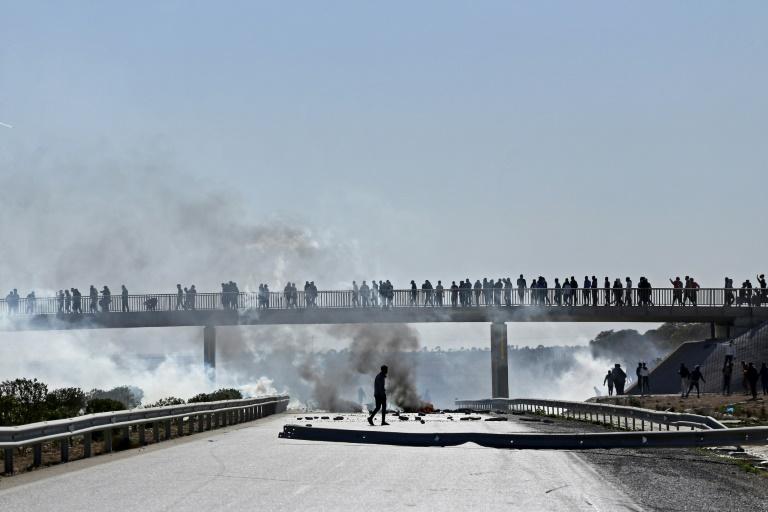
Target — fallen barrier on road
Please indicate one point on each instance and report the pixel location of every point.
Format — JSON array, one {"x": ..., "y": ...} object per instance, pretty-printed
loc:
[
  {"x": 634, "y": 418},
  {"x": 536, "y": 441},
  {"x": 193, "y": 418}
]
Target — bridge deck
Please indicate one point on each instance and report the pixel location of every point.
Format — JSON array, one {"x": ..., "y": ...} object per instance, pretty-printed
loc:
[{"x": 719, "y": 315}]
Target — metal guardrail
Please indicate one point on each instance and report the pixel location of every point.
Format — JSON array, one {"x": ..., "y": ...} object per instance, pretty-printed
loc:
[
  {"x": 196, "y": 417},
  {"x": 533, "y": 441},
  {"x": 496, "y": 297},
  {"x": 604, "y": 413}
]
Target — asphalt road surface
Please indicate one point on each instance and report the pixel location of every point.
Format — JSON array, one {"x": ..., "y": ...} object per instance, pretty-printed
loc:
[{"x": 249, "y": 468}]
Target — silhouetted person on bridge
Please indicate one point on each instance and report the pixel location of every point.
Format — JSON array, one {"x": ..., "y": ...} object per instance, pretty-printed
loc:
[
  {"x": 380, "y": 396},
  {"x": 355, "y": 295},
  {"x": 619, "y": 378},
  {"x": 677, "y": 293},
  {"x": 67, "y": 301},
  {"x": 77, "y": 301},
  {"x": 94, "y": 296},
  {"x": 608, "y": 380},
  {"x": 628, "y": 294},
  {"x": 439, "y": 293},
  {"x": 521, "y": 289},
  {"x": 124, "y": 299},
  {"x": 192, "y": 297},
  {"x": 559, "y": 299},
  {"x": 729, "y": 297},
  {"x": 508, "y": 291},
  {"x": 762, "y": 283},
  {"x": 455, "y": 294},
  {"x": 179, "y": 297},
  {"x": 478, "y": 291},
  {"x": 617, "y": 292},
  {"x": 60, "y": 301},
  {"x": 365, "y": 294},
  {"x": 594, "y": 291},
  {"x": 607, "y": 291},
  {"x": 567, "y": 292},
  {"x": 31, "y": 302},
  {"x": 695, "y": 377},
  {"x": 106, "y": 299},
  {"x": 586, "y": 295},
  {"x": 374, "y": 294},
  {"x": 574, "y": 291}
]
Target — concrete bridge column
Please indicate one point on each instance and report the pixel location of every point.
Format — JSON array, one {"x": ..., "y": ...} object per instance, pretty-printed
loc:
[
  {"x": 499, "y": 364},
  {"x": 209, "y": 351}
]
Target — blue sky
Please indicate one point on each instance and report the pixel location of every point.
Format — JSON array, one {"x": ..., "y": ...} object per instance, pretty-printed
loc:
[{"x": 441, "y": 139}]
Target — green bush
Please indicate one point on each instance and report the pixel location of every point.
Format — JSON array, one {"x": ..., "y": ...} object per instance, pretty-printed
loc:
[
  {"x": 167, "y": 401},
  {"x": 22, "y": 401},
  {"x": 129, "y": 396},
  {"x": 219, "y": 394},
  {"x": 64, "y": 403},
  {"x": 103, "y": 405}
]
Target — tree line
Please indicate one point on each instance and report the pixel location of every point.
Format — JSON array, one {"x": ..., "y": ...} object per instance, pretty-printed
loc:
[{"x": 24, "y": 401}]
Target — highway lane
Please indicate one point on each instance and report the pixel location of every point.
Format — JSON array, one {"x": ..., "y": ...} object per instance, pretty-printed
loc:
[{"x": 249, "y": 467}]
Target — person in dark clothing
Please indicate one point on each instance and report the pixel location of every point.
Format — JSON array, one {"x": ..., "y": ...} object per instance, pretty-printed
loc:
[
  {"x": 694, "y": 379},
  {"x": 414, "y": 294},
  {"x": 179, "y": 297},
  {"x": 729, "y": 297},
  {"x": 608, "y": 380},
  {"x": 93, "y": 294},
  {"x": 455, "y": 294},
  {"x": 764, "y": 378},
  {"x": 677, "y": 293},
  {"x": 124, "y": 299},
  {"x": 478, "y": 291},
  {"x": 380, "y": 395},
  {"x": 607, "y": 291},
  {"x": 521, "y": 288},
  {"x": 685, "y": 375},
  {"x": 727, "y": 374},
  {"x": 752, "y": 376},
  {"x": 638, "y": 374},
  {"x": 585, "y": 292},
  {"x": 619, "y": 378},
  {"x": 594, "y": 291}
]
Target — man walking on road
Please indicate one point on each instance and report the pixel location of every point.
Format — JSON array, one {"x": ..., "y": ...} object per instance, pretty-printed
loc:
[{"x": 380, "y": 395}]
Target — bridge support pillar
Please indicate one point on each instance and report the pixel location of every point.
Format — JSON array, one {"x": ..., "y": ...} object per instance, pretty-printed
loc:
[
  {"x": 499, "y": 364},
  {"x": 209, "y": 351}
]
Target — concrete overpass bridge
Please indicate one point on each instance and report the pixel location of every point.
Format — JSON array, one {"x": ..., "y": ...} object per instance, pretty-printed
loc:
[{"x": 729, "y": 312}]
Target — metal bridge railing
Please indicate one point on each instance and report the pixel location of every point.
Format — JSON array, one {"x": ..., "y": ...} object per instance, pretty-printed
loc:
[
  {"x": 498, "y": 297},
  {"x": 189, "y": 417},
  {"x": 618, "y": 416}
]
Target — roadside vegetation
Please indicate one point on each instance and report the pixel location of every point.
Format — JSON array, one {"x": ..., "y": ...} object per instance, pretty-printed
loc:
[{"x": 24, "y": 401}]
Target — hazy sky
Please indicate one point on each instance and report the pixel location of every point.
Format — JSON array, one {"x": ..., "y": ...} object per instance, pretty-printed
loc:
[{"x": 432, "y": 139}]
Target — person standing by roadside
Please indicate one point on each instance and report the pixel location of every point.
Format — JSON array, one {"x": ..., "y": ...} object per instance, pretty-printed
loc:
[
  {"x": 619, "y": 379},
  {"x": 695, "y": 377},
  {"x": 380, "y": 396},
  {"x": 752, "y": 376},
  {"x": 727, "y": 374},
  {"x": 764, "y": 378},
  {"x": 684, "y": 374},
  {"x": 608, "y": 381},
  {"x": 645, "y": 378}
]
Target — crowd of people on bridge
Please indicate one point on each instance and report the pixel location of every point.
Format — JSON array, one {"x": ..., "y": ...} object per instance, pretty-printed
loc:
[{"x": 482, "y": 292}]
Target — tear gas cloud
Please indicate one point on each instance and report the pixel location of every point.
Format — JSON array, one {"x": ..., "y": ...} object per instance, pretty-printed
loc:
[{"x": 133, "y": 220}]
